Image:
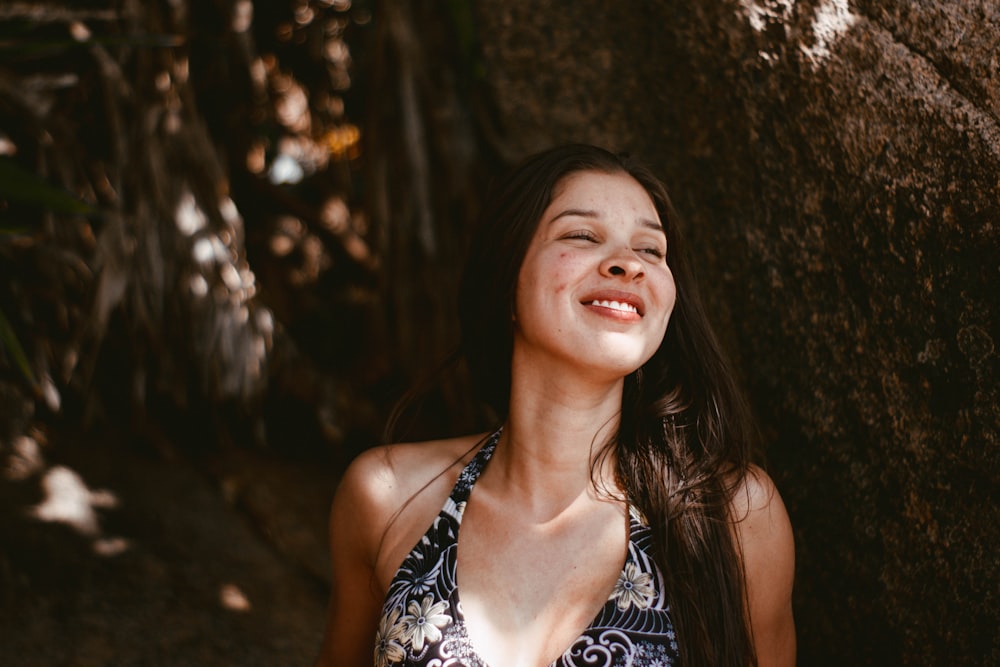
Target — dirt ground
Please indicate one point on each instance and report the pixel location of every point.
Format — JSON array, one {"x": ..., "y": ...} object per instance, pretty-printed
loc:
[{"x": 112, "y": 555}]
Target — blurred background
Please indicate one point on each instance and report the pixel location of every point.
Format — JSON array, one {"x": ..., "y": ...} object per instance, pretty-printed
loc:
[{"x": 231, "y": 231}]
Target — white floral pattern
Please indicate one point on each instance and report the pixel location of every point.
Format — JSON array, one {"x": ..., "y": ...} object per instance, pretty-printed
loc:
[
  {"x": 422, "y": 623},
  {"x": 388, "y": 649},
  {"x": 633, "y": 588}
]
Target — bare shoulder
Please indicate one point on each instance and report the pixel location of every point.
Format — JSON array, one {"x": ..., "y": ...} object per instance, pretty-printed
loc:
[
  {"x": 756, "y": 497},
  {"x": 761, "y": 521},
  {"x": 383, "y": 498},
  {"x": 764, "y": 534},
  {"x": 387, "y": 492},
  {"x": 384, "y": 477}
]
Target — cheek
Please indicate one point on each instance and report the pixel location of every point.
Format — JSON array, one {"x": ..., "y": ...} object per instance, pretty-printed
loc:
[
  {"x": 562, "y": 272},
  {"x": 668, "y": 296}
]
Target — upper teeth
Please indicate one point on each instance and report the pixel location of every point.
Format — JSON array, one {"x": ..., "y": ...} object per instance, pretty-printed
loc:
[{"x": 617, "y": 305}]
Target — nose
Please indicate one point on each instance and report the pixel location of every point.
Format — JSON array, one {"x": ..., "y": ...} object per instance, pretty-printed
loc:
[{"x": 623, "y": 264}]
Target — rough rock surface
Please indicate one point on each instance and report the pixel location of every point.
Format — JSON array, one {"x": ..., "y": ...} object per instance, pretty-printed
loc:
[{"x": 838, "y": 166}]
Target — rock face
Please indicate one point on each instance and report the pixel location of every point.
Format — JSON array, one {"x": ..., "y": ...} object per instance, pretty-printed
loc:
[{"x": 838, "y": 166}]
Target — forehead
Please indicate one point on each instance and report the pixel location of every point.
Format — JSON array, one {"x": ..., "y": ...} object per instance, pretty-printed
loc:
[{"x": 596, "y": 192}]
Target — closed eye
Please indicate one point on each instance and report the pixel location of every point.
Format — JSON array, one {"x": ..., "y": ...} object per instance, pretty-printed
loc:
[
  {"x": 654, "y": 252},
  {"x": 582, "y": 234}
]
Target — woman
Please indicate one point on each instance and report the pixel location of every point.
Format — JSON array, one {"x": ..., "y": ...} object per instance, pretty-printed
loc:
[{"x": 614, "y": 517}]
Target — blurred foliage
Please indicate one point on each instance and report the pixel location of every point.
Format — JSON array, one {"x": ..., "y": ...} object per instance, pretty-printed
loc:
[
  {"x": 18, "y": 185},
  {"x": 231, "y": 213}
]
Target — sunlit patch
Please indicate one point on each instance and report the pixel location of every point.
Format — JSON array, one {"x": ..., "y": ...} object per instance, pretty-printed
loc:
[
  {"x": 231, "y": 277},
  {"x": 188, "y": 216},
  {"x": 182, "y": 69},
  {"x": 281, "y": 245},
  {"x": 162, "y": 81},
  {"x": 287, "y": 235},
  {"x": 258, "y": 72},
  {"x": 833, "y": 18},
  {"x": 202, "y": 251},
  {"x": 285, "y": 169},
  {"x": 343, "y": 140},
  {"x": 7, "y": 147},
  {"x": 79, "y": 31},
  {"x": 69, "y": 501},
  {"x": 265, "y": 323},
  {"x": 336, "y": 52},
  {"x": 256, "y": 158},
  {"x": 304, "y": 14},
  {"x": 198, "y": 285},
  {"x": 761, "y": 13},
  {"x": 111, "y": 546},
  {"x": 291, "y": 106},
  {"x": 231, "y": 214},
  {"x": 339, "y": 5},
  {"x": 233, "y": 599},
  {"x": 25, "y": 460},
  {"x": 335, "y": 215},
  {"x": 242, "y": 16},
  {"x": 50, "y": 393}
]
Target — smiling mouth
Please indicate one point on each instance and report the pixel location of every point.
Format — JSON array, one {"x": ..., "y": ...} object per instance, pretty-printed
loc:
[{"x": 620, "y": 306}]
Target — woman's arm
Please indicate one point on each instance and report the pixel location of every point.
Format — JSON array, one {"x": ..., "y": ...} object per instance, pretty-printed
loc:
[
  {"x": 356, "y": 526},
  {"x": 765, "y": 536}
]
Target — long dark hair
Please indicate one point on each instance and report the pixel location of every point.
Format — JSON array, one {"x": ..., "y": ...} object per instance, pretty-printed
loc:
[{"x": 684, "y": 441}]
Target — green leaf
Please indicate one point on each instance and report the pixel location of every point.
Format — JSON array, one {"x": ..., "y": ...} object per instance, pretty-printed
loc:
[
  {"x": 9, "y": 340},
  {"x": 19, "y": 184}
]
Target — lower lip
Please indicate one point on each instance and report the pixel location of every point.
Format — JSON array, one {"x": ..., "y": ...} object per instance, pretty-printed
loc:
[{"x": 611, "y": 313}]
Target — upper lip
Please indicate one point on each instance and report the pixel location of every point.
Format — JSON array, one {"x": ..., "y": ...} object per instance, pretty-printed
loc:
[{"x": 616, "y": 295}]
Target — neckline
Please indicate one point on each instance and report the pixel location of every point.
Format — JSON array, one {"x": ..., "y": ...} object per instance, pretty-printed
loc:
[{"x": 460, "y": 496}]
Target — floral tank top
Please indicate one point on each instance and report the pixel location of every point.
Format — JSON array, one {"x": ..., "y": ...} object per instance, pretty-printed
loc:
[{"x": 422, "y": 624}]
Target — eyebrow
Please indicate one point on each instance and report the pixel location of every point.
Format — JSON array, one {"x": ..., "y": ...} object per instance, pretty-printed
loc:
[{"x": 586, "y": 213}]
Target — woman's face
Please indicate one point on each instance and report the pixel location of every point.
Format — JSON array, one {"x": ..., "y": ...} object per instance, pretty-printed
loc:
[{"x": 594, "y": 290}]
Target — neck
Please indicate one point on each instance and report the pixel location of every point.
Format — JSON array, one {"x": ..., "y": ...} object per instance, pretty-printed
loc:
[{"x": 557, "y": 425}]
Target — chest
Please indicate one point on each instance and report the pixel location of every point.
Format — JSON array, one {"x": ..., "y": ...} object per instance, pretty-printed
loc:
[
  {"x": 423, "y": 621},
  {"x": 529, "y": 589}
]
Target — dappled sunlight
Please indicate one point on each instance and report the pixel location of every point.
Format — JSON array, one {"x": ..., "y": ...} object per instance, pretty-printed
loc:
[
  {"x": 304, "y": 14},
  {"x": 832, "y": 18},
  {"x": 24, "y": 461},
  {"x": 190, "y": 218},
  {"x": 286, "y": 170},
  {"x": 336, "y": 216},
  {"x": 233, "y": 599},
  {"x": 242, "y": 16},
  {"x": 287, "y": 235},
  {"x": 7, "y": 147},
  {"x": 343, "y": 141},
  {"x": 291, "y": 104},
  {"x": 761, "y": 13},
  {"x": 111, "y": 546},
  {"x": 49, "y": 391},
  {"x": 68, "y": 500}
]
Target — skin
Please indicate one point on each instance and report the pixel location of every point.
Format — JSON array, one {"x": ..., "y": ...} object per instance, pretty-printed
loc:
[{"x": 541, "y": 545}]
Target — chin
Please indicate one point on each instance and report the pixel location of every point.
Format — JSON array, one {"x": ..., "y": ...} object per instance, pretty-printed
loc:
[{"x": 620, "y": 367}]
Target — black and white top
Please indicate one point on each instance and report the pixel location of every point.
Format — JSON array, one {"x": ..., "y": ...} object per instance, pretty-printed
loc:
[{"x": 422, "y": 624}]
